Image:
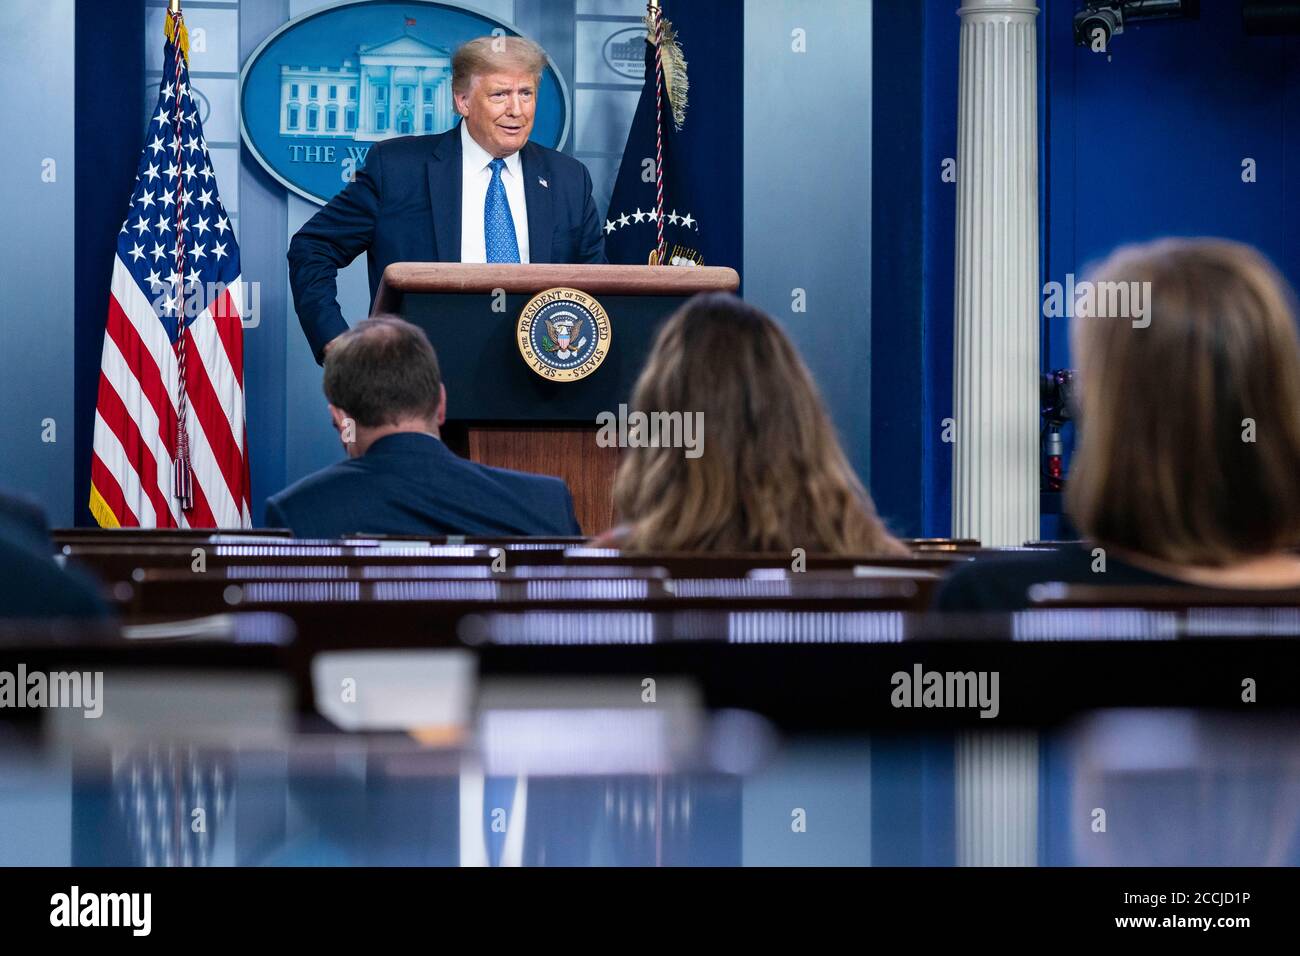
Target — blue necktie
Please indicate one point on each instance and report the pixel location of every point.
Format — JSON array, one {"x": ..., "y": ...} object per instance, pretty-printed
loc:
[{"x": 498, "y": 226}]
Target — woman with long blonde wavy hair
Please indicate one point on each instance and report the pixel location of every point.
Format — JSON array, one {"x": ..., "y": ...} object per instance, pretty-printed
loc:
[{"x": 770, "y": 475}]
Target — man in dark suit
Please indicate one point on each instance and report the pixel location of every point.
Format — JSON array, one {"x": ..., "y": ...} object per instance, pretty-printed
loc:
[
  {"x": 480, "y": 192},
  {"x": 387, "y": 400},
  {"x": 32, "y": 586}
]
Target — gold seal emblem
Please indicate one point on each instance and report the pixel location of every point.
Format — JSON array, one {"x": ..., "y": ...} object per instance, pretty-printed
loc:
[{"x": 563, "y": 334}]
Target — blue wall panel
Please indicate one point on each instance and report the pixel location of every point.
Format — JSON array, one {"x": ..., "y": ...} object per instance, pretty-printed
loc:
[
  {"x": 915, "y": 120},
  {"x": 807, "y": 199},
  {"x": 898, "y": 170},
  {"x": 1149, "y": 141},
  {"x": 37, "y": 193},
  {"x": 939, "y": 199}
]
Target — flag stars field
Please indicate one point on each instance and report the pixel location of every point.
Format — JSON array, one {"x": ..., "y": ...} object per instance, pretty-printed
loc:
[{"x": 687, "y": 221}]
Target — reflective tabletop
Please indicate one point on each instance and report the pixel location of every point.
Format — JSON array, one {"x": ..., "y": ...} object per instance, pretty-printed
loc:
[{"x": 594, "y": 786}]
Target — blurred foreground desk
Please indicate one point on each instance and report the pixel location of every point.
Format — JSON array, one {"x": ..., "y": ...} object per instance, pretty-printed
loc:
[
  {"x": 760, "y": 720},
  {"x": 1180, "y": 788}
]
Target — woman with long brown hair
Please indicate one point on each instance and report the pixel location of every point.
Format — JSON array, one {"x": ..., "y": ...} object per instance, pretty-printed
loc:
[
  {"x": 770, "y": 474},
  {"x": 1187, "y": 468}
]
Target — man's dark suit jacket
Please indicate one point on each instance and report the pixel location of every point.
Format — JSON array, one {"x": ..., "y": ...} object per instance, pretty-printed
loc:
[
  {"x": 404, "y": 206},
  {"x": 32, "y": 586},
  {"x": 411, "y": 483}
]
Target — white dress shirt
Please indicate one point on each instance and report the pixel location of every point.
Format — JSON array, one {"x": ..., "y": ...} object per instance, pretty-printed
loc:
[{"x": 475, "y": 176}]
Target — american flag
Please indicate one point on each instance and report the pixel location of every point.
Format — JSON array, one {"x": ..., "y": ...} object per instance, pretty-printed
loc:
[{"x": 170, "y": 448}]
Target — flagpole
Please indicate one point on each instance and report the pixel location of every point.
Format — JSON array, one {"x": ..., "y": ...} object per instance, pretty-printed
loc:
[
  {"x": 183, "y": 480},
  {"x": 656, "y": 23}
]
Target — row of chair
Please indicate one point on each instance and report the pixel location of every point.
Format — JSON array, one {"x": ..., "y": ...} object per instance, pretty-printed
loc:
[{"x": 794, "y": 636}]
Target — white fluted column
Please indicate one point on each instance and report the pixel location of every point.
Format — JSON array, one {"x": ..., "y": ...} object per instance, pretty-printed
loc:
[
  {"x": 995, "y": 394},
  {"x": 996, "y": 782}
]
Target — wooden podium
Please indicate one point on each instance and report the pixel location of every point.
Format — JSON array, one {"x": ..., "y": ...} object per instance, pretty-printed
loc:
[{"x": 499, "y": 411}]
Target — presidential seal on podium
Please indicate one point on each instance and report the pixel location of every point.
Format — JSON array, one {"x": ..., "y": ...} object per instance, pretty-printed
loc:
[{"x": 563, "y": 334}]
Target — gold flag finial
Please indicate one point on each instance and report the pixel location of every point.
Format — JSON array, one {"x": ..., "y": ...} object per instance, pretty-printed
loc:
[
  {"x": 170, "y": 24},
  {"x": 659, "y": 32}
]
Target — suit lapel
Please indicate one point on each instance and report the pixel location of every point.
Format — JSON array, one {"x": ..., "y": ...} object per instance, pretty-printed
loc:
[
  {"x": 444, "y": 195},
  {"x": 541, "y": 217}
]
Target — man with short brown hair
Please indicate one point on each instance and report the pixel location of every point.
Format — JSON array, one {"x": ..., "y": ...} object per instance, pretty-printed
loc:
[{"x": 387, "y": 402}]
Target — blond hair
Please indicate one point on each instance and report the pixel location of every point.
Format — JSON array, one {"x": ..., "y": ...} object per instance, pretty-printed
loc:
[
  {"x": 1189, "y": 441},
  {"x": 772, "y": 475},
  {"x": 494, "y": 54}
]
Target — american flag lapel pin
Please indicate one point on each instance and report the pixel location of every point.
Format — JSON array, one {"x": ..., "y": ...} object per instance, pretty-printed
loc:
[{"x": 544, "y": 183}]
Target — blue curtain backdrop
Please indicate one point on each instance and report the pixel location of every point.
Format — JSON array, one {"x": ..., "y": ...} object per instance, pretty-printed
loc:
[
  {"x": 914, "y": 116},
  {"x": 110, "y": 124}
]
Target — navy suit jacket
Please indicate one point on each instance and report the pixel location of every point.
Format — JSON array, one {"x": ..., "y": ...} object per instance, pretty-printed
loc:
[
  {"x": 32, "y": 586},
  {"x": 404, "y": 206},
  {"x": 411, "y": 483}
]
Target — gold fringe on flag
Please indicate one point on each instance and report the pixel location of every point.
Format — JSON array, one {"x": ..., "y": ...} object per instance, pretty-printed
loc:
[
  {"x": 675, "y": 80},
  {"x": 169, "y": 27},
  {"x": 100, "y": 510}
]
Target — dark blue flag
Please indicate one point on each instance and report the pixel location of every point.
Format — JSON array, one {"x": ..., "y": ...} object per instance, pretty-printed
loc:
[{"x": 632, "y": 227}]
